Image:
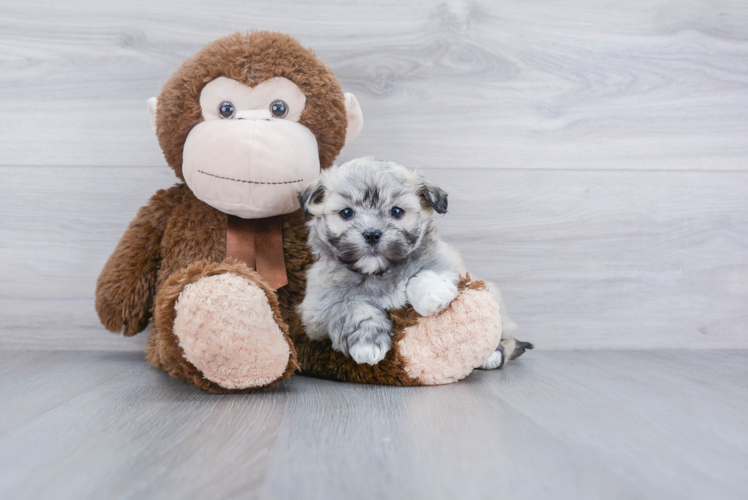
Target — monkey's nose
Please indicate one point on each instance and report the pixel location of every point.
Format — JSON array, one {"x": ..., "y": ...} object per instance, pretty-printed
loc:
[
  {"x": 253, "y": 114},
  {"x": 372, "y": 236}
]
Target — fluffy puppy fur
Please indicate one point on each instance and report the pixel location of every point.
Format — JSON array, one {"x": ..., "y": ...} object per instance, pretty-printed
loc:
[{"x": 377, "y": 249}]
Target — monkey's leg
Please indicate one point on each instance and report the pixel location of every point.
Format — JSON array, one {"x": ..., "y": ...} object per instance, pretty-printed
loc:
[
  {"x": 445, "y": 348},
  {"x": 430, "y": 350},
  {"x": 218, "y": 326}
]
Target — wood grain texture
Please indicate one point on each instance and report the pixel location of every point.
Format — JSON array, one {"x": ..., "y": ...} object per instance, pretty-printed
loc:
[
  {"x": 650, "y": 398},
  {"x": 586, "y": 259},
  {"x": 587, "y": 84},
  {"x": 595, "y": 152},
  {"x": 566, "y": 425},
  {"x": 51, "y": 379},
  {"x": 57, "y": 228}
]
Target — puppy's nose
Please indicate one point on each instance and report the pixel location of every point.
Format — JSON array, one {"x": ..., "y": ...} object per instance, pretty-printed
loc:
[{"x": 372, "y": 236}]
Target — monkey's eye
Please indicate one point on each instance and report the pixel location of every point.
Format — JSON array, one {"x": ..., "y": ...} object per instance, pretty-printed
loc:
[
  {"x": 226, "y": 110},
  {"x": 397, "y": 212},
  {"x": 347, "y": 213},
  {"x": 279, "y": 108}
]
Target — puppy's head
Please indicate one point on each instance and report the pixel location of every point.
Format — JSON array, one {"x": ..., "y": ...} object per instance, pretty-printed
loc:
[{"x": 370, "y": 214}]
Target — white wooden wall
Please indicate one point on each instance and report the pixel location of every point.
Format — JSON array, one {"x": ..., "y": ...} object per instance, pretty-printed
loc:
[{"x": 595, "y": 152}]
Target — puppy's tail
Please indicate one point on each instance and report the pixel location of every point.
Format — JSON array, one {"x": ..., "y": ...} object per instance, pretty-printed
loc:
[
  {"x": 509, "y": 347},
  {"x": 514, "y": 348},
  {"x": 508, "y": 326}
]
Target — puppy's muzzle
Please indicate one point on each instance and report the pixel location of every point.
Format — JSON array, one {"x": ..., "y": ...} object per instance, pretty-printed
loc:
[{"x": 372, "y": 236}]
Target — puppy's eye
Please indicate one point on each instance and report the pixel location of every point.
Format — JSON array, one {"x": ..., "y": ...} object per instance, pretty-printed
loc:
[
  {"x": 347, "y": 213},
  {"x": 397, "y": 212},
  {"x": 226, "y": 110},
  {"x": 279, "y": 109}
]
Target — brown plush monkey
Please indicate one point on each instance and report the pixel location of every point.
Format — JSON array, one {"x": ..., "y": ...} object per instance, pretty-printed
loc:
[{"x": 217, "y": 261}]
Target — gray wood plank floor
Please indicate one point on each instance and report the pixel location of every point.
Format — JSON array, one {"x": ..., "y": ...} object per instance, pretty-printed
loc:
[{"x": 574, "y": 424}]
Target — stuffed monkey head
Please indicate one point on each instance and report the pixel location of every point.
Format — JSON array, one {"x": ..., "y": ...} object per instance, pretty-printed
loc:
[{"x": 250, "y": 119}]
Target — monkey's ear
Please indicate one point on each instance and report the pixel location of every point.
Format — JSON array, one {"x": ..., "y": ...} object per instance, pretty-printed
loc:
[
  {"x": 355, "y": 118},
  {"x": 433, "y": 195},
  {"x": 311, "y": 199},
  {"x": 152, "y": 104}
]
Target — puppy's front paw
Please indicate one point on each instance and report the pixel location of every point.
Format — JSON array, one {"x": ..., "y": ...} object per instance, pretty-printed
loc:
[
  {"x": 370, "y": 342},
  {"x": 430, "y": 293},
  {"x": 367, "y": 353}
]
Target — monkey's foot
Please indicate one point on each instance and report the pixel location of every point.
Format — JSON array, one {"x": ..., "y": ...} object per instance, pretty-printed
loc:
[
  {"x": 227, "y": 330},
  {"x": 445, "y": 348}
]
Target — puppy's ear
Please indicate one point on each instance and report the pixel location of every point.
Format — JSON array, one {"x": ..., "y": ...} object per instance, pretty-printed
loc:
[
  {"x": 311, "y": 198},
  {"x": 432, "y": 195}
]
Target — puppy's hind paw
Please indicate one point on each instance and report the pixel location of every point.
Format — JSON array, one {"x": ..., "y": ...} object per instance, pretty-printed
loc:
[
  {"x": 367, "y": 353},
  {"x": 495, "y": 360}
]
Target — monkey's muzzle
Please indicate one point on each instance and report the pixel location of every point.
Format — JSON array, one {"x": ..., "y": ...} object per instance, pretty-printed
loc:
[{"x": 250, "y": 167}]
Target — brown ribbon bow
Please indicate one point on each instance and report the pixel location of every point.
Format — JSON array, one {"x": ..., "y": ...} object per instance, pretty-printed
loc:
[{"x": 259, "y": 244}]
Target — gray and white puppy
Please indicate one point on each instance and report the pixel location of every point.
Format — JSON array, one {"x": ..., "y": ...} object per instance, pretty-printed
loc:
[{"x": 377, "y": 249}]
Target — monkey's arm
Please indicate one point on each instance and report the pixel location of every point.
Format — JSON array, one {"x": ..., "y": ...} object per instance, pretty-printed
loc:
[{"x": 126, "y": 286}]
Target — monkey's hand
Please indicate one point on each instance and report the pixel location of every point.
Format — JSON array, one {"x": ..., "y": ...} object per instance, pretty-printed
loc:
[
  {"x": 126, "y": 286},
  {"x": 364, "y": 333},
  {"x": 430, "y": 292}
]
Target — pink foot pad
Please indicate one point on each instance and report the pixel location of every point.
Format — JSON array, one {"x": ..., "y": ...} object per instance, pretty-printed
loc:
[
  {"x": 226, "y": 328},
  {"x": 445, "y": 348}
]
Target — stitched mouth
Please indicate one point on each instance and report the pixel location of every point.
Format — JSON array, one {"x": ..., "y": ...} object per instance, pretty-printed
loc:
[{"x": 246, "y": 181}]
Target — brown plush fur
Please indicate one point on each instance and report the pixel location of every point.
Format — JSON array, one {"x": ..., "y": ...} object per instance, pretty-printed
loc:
[
  {"x": 127, "y": 284},
  {"x": 185, "y": 239},
  {"x": 317, "y": 358},
  {"x": 177, "y": 239},
  {"x": 163, "y": 349},
  {"x": 251, "y": 59}
]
